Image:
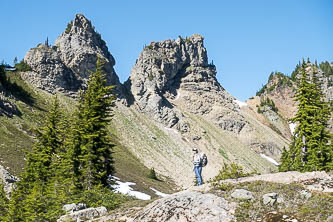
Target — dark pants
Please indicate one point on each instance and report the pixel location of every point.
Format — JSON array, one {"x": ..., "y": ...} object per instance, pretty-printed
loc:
[{"x": 197, "y": 170}]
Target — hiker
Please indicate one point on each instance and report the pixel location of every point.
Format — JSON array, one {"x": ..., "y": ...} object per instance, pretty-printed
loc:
[{"x": 197, "y": 162}]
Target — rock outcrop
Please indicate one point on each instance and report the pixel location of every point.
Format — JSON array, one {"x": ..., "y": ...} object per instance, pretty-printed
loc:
[
  {"x": 7, "y": 108},
  {"x": 7, "y": 180},
  {"x": 79, "y": 212},
  {"x": 188, "y": 206},
  {"x": 270, "y": 197},
  {"x": 49, "y": 71},
  {"x": 178, "y": 69},
  {"x": 66, "y": 65}
]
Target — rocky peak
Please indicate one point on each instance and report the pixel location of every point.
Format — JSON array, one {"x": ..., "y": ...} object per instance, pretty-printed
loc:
[
  {"x": 66, "y": 66},
  {"x": 167, "y": 69},
  {"x": 79, "y": 47},
  {"x": 80, "y": 24}
]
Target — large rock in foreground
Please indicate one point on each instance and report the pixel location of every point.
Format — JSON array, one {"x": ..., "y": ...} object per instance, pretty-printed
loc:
[{"x": 188, "y": 206}]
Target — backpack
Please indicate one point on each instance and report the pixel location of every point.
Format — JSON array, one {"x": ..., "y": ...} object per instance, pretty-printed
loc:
[{"x": 204, "y": 159}]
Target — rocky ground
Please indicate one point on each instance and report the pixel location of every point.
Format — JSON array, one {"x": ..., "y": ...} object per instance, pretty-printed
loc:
[{"x": 290, "y": 196}]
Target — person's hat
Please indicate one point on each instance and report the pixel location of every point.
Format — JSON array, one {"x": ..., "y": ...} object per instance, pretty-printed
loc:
[{"x": 195, "y": 149}]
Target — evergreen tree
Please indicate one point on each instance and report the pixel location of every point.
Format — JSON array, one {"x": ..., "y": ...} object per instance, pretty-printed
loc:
[
  {"x": 35, "y": 196},
  {"x": 90, "y": 144},
  {"x": 310, "y": 149},
  {"x": 3, "y": 203}
]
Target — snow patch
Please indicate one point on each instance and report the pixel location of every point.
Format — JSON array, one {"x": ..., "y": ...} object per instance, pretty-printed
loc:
[
  {"x": 124, "y": 188},
  {"x": 158, "y": 193},
  {"x": 269, "y": 159},
  {"x": 292, "y": 127},
  {"x": 240, "y": 103}
]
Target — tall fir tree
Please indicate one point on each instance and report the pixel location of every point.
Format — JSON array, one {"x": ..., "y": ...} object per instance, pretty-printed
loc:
[
  {"x": 35, "y": 194},
  {"x": 3, "y": 203},
  {"x": 310, "y": 149},
  {"x": 91, "y": 146}
]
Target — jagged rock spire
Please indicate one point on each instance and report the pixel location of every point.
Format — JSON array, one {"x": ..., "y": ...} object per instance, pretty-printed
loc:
[{"x": 67, "y": 65}]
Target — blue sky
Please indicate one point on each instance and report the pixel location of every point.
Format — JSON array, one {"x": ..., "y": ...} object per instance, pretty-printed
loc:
[{"x": 247, "y": 40}]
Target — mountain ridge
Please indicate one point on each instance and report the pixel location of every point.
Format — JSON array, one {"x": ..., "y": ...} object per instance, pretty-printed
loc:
[{"x": 171, "y": 103}]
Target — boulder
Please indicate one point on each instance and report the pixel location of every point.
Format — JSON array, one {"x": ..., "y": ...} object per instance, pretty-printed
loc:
[
  {"x": 83, "y": 215},
  {"x": 188, "y": 206},
  {"x": 7, "y": 108},
  {"x": 70, "y": 208},
  {"x": 272, "y": 198},
  {"x": 242, "y": 194},
  {"x": 306, "y": 194}
]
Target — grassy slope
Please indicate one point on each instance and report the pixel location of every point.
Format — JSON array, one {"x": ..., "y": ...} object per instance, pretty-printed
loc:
[{"x": 17, "y": 137}]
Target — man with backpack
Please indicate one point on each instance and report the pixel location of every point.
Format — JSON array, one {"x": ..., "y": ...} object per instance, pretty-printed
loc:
[{"x": 199, "y": 160}]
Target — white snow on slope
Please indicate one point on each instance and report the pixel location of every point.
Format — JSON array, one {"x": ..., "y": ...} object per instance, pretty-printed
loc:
[
  {"x": 240, "y": 103},
  {"x": 158, "y": 193},
  {"x": 269, "y": 159},
  {"x": 292, "y": 127},
  {"x": 124, "y": 188}
]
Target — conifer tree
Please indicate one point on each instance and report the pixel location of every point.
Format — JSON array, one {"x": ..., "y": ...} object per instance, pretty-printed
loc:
[
  {"x": 90, "y": 143},
  {"x": 35, "y": 195},
  {"x": 310, "y": 149},
  {"x": 3, "y": 203}
]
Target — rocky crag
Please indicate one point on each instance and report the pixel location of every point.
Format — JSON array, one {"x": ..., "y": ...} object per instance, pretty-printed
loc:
[{"x": 66, "y": 65}]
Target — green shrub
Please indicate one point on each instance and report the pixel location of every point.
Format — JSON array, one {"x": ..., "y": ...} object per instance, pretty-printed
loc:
[
  {"x": 152, "y": 174},
  {"x": 150, "y": 76},
  {"x": 268, "y": 102},
  {"x": 101, "y": 196},
  {"x": 22, "y": 67},
  {"x": 68, "y": 28},
  {"x": 149, "y": 47},
  {"x": 232, "y": 171}
]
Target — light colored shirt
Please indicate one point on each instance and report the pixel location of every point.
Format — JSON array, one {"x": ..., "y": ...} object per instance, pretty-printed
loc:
[{"x": 196, "y": 159}]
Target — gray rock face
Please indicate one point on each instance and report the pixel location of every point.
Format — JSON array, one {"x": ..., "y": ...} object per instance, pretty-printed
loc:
[
  {"x": 70, "y": 208},
  {"x": 49, "y": 71},
  {"x": 8, "y": 180},
  {"x": 66, "y": 65},
  {"x": 242, "y": 194},
  {"x": 7, "y": 108},
  {"x": 188, "y": 206},
  {"x": 83, "y": 215},
  {"x": 174, "y": 70},
  {"x": 80, "y": 46}
]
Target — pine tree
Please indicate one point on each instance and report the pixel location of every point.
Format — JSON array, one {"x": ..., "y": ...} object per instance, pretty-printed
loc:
[
  {"x": 310, "y": 149},
  {"x": 285, "y": 161},
  {"x": 90, "y": 144},
  {"x": 35, "y": 196},
  {"x": 3, "y": 203}
]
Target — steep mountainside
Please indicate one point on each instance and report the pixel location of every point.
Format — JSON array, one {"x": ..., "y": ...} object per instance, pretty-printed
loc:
[
  {"x": 275, "y": 103},
  {"x": 177, "y": 103},
  {"x": 171, "y": 102}
]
